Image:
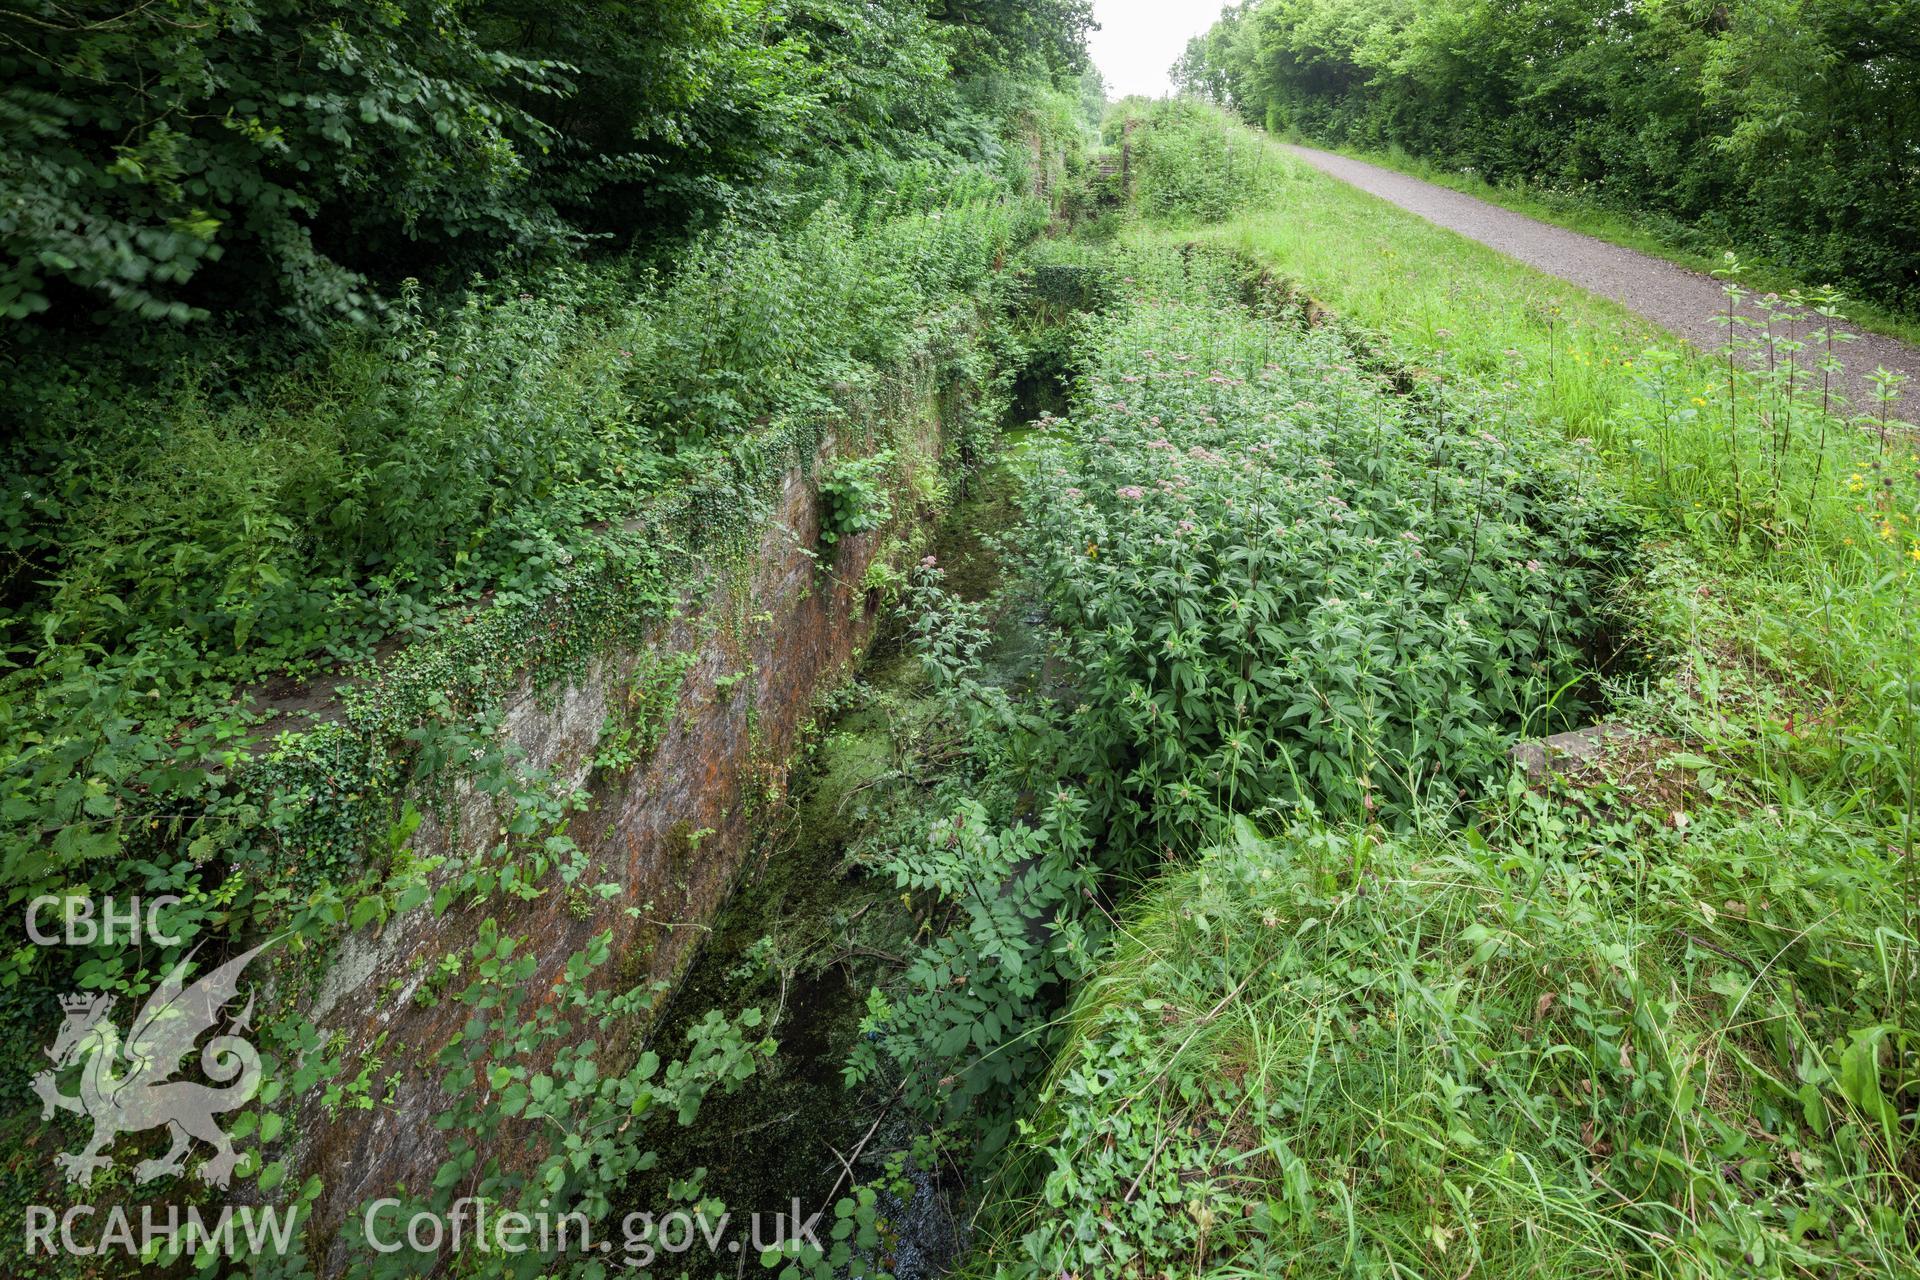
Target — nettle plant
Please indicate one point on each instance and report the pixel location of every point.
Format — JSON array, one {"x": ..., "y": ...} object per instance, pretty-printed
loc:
[
  {"x": 1008, "y": 874},
  {"x": 853, "y": 497},
  {"x": 1282, "y": 585},
  {"x": 1187, "y": 165},
  {"x": 966, "y": 1024}
]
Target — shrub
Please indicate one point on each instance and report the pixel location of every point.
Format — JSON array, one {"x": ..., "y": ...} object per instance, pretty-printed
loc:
[
  {"x": 1281, "y": 584},
  {"x": 176, "y": 541},
  {"x": 458, "y": 449},
  {"x": 853, "y": 497},
  {"x": 1187, "y": 164}
]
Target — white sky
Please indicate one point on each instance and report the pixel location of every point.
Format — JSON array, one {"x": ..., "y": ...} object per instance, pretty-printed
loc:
[{"x": 1139, "y": 40}]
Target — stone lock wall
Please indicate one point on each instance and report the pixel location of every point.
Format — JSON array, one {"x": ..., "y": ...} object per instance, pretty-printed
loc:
[{"x": 672, "y": 832}]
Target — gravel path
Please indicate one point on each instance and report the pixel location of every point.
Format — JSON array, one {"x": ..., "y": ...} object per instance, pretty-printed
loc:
[{"x": 1678, "y": 300}]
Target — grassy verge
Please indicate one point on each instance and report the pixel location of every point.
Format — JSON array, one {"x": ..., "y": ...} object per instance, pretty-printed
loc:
[
  {"x": 1615, "y": 1051},
  {"x": 1651, "y": 234}
]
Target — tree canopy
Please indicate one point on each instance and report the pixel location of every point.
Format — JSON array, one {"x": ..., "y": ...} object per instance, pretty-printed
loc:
[{"x": 174, "y": 157}]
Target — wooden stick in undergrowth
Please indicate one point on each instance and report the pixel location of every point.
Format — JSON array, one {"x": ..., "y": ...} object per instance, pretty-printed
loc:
[{"x": 1733, "y": 292}]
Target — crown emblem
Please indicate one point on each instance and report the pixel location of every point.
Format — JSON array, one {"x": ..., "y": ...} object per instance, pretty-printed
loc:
[{"x": 127, "y": 1084}]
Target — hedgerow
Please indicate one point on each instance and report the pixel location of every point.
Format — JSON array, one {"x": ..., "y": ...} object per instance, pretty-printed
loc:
[{"x": 1747, "y": 125}]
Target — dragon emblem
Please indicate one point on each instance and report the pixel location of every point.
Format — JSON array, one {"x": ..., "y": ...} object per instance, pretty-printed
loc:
[{"x": 126, "y": 1087}]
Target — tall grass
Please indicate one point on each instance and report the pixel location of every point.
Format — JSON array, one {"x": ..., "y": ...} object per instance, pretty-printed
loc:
[{"x": 1517, "y": 1054}]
